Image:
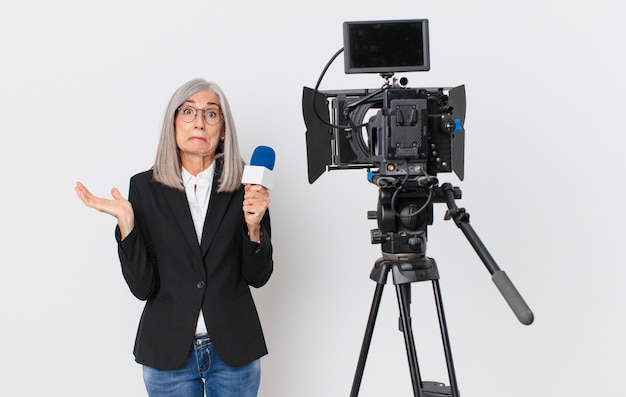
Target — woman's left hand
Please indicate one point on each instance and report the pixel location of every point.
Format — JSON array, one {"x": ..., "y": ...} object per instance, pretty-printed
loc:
[{"x": 256, "y": 200}]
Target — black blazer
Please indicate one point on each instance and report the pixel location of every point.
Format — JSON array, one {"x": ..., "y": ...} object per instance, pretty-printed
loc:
[{"x": 164, "y": 265}]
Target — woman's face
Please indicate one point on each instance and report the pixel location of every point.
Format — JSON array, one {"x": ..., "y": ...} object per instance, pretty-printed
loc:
[{"x": 199, "y": 126}]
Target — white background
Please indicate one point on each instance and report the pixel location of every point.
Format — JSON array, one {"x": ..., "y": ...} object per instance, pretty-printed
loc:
[{"x": 83, "y": 88}]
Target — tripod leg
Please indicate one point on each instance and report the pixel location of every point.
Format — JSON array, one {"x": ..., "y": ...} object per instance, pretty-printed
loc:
[
  {"x": 403, "y": 292},
  {"x": 446, "y": 339},
  {"x": 367, "y": 339}
]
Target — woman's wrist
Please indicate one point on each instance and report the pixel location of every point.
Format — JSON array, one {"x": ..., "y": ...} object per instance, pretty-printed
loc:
[
  {"x": 126, "y": 225},
  {"x": 254, "y": 233}
]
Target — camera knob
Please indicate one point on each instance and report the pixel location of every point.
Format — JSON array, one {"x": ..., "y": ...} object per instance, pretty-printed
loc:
[
  {"x": 377, "y": 236},
  {"x": 448, "y": 125}
]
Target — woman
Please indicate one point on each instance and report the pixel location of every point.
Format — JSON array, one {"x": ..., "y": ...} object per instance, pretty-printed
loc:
[{"x": 191, "y": 242}]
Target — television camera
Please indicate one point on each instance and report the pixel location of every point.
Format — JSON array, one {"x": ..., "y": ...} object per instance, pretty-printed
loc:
[{"x": 404, "y": 137}]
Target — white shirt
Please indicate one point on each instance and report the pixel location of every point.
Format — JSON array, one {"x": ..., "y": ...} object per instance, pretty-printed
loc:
[{"x": 198, "y": 190}]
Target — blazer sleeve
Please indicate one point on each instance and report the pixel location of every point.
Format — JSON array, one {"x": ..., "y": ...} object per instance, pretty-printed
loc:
[
  {"x": 136, "y": 256},
  {"x": 258, "y": 263}
]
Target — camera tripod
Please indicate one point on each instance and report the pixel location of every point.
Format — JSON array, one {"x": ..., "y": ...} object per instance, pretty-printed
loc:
[{"x": 403, "y": 238}]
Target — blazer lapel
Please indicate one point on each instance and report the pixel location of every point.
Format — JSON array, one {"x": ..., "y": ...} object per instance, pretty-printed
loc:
[
  {"x": 178, "y": 203},
  {"x": 218, "y": 204}
]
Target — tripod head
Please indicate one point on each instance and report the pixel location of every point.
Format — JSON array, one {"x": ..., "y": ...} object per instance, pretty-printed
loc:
[{"x": 404, "y": 212}]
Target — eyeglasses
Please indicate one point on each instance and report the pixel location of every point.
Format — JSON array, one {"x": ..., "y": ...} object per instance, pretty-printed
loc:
[{"x": 188, "y": 114}]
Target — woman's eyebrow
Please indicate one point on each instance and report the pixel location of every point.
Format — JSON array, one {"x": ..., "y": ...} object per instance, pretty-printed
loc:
[{"x": 208, "y": 103}]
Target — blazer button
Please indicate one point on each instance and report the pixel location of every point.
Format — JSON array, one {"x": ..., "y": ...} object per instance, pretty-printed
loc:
[{"x": 200, "y": 284}]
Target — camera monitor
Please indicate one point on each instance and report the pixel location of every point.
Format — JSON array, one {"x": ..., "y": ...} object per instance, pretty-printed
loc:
[{"x": 386, "y": 46}]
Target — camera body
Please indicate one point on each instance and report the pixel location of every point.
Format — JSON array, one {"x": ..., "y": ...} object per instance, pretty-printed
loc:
[
  {"x": 396, "y": 131},
  {"x": 413, "y": 132}
]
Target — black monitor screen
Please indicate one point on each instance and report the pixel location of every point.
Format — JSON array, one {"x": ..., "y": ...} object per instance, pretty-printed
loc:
[{"x": 386, "y": 46}]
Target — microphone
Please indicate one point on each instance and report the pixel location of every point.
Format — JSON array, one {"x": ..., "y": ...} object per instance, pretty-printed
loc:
[{"x": 260, "y": 171}]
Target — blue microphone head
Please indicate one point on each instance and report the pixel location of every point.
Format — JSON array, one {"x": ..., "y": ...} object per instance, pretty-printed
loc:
[{"x": 263, "y": 156}]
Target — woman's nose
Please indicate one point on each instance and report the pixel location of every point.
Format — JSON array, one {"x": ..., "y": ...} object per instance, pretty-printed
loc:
[{"x": 199, "y": 120}]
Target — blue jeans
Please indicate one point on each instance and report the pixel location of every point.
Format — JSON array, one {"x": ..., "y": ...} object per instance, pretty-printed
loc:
[{"x": 204, "y": 372}]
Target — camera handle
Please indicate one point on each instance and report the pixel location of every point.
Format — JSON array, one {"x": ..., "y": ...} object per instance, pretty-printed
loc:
[{"x": 499, "y": 277}]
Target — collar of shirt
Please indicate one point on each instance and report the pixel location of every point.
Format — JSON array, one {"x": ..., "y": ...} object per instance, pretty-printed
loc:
[{"x": 202, "y": 180}]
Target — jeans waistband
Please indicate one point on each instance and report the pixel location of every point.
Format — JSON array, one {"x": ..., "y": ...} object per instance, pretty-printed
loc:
[{"x": 201, "y": 339}]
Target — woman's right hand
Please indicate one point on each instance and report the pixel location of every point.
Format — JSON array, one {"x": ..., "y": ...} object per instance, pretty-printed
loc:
[{"x": 118, "y": 207}]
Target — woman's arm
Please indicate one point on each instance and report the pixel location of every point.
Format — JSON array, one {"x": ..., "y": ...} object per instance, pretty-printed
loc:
[{"x": 135, "y": 252}]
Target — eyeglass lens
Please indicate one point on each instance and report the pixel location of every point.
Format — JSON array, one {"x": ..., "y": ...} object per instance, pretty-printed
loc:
[{"x": 188, "y": 114}]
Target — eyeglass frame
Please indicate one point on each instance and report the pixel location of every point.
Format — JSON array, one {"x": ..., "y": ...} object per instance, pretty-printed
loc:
[{"x": 204, "y": 113}]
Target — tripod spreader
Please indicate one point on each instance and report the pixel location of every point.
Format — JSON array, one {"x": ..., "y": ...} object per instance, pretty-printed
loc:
[{"x": 499, "y": 277}]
